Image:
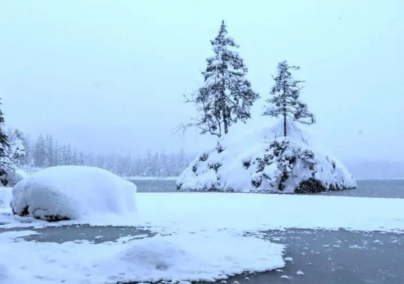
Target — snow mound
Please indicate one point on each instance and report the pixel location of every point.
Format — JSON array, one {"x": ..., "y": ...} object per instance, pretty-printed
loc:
[
  {"x": 194, "y": 257},
  {"x": 175, "y": 258},
  {"x": 70, "y": 192},
  {"x": 262, "y": 160}
]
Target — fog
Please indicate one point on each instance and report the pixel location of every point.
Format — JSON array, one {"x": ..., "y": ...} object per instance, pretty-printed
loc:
[{"x": 111, "y": 75}]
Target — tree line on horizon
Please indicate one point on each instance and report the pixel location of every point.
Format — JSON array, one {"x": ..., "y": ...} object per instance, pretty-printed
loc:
[{"x": 45, "y": 151}]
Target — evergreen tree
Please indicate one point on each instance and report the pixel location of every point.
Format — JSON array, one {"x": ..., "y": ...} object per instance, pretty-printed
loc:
[
  {"x": 50, "y": 157},
  {"x": 17, "y": 149},
  {"x": 40, "y": 152},
  {"x": 5, "y": 162},
  {"x": 285, "y": 101},
  {"x": 226, "y": 96}
]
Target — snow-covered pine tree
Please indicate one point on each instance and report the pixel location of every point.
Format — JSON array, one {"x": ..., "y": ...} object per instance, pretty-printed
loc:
[
  {"x": 39, "y": 152},
  {"x": 285, "y": 101},
  {"x": 226, "y": 96},
  {"x": 17, "y": 149},
  {"x": 5, "y": 162},
  {"x": 49, "y": 148}
]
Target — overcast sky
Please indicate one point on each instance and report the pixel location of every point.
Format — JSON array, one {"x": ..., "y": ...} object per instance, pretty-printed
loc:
[{"x": 110, "y": 75}]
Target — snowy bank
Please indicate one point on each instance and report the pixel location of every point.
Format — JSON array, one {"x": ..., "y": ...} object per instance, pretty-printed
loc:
[
  {"x": 262, "y": 160},
  {"x": 242, "y": 212},
  {"x": 175, "y": 258},
  {"x": 70, "y": 192}
]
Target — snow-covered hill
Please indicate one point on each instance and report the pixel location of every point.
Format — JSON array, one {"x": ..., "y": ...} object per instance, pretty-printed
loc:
[{"x": 263, "y": 160}]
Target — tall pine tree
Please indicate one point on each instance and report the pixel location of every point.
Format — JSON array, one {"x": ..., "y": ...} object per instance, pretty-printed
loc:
[
  {"x": 5, "y": 161},
  {"x": 285, "y": 98},
  {"x": 17, "y": 151},
  {"x": 226, "y": 96}
]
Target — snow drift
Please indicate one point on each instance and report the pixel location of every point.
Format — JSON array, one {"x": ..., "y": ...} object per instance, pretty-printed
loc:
[
  {"x": 178, "y": 258},
  {"x": 262, "y": 160},
  {"x": 69, "y": 192}
]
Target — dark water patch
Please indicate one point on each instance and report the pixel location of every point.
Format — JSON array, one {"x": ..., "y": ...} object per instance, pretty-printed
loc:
[
  {"x": 155, "y": 185},
  {"x": 366, "y": 188},
  {"x": 95, "y": 234},
  {"x": 373, "y": 188}
]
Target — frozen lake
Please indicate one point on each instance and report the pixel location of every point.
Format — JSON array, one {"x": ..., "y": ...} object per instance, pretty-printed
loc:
[
  {"x": 333, "y": 257},
  {"x": 366, "y": 188},
  {"x": 336, "y": 256}
]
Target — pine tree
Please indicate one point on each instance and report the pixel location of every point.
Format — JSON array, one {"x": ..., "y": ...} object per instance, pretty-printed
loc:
[
  {"x": 285, "y": 101},
  {"x": 40, "y": 152},
  {"x": 17, "y": 149},
  {"x": 5, "y": 163},
  {"x": 226, "y": 96},
  {"x": 49, "y": 148}
]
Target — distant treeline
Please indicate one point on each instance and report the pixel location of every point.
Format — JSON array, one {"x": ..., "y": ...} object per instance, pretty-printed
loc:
[{"x": 45, "y": 152}]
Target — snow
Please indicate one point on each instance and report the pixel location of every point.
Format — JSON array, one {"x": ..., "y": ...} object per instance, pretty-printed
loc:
[
  {"x": 252, "y": 212},
  {"x": 199, "y": 237},
  {"x": 5, "y": 197},
  {"x": 176, "y": 258},
  {"x": 174, "y": 212},
  {"x": 300, "y": 273},
  {"x": 17, "y": 175},
  {"x": 71, "y": 192},
  {"x": 244, "y": 161}
]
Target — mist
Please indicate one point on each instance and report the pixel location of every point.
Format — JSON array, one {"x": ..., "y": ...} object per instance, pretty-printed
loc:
[{"x": 110, "y": 76}]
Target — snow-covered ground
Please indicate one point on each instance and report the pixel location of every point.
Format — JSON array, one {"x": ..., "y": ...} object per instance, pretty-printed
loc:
[
  {"x": 5, "y": 198},
  {"x": 189, "y": 212},
  {"x": 174, "y": 258},
  {"x": 200, "y": 236}
]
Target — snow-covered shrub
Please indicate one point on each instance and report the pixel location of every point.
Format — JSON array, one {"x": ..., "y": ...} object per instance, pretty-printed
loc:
[
  {"x": 69, "y": 192},
  {"x": 264, "y": 160}
]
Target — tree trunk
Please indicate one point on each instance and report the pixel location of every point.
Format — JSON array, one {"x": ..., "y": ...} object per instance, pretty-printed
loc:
[
  {"x": 226, "y": 126},
  {"x": 284, "y": 124}
]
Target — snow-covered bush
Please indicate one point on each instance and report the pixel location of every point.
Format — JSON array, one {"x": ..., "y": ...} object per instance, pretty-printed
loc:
[
  {"x": 263, "y": 160},
  {"x": 69, "y": 192}
]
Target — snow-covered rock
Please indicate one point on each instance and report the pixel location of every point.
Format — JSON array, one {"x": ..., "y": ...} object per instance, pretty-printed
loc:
[
  {"x": 263, "y": 160},
  {"x": 69, "y": 192}
]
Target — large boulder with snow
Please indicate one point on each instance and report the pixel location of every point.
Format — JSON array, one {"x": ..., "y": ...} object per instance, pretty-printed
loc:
[
  {"x": 70, "y": 192},
  {"x": 262, "y": 160}
]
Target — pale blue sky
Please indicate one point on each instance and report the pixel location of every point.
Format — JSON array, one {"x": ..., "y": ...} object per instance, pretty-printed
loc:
[{"x": 110, "y": 75}]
